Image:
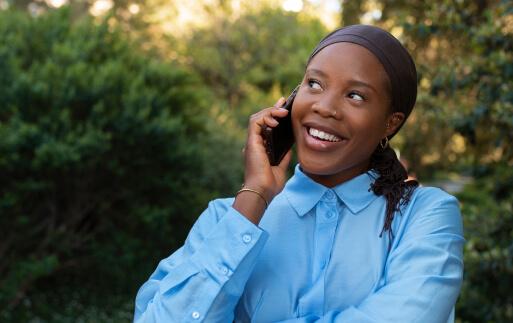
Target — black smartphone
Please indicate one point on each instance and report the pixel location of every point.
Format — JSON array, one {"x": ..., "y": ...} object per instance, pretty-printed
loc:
[{"x": 279, "y": 140}]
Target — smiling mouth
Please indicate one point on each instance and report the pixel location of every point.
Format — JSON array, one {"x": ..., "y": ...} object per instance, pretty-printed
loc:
[{"x": 322, "y": 135}]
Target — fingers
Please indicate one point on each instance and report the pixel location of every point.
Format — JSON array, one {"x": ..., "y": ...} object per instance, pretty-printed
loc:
[
  {"x": 270, "y": 121},
  {"x": 278, "y": 112},
  {"x": 267, "y": 117}
]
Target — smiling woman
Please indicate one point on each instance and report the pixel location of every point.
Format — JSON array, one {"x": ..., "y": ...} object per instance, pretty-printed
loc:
[{"x": 311, "y": 248}]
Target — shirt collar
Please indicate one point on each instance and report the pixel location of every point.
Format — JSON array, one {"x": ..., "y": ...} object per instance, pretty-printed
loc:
[{"x": 303, "y": 193}]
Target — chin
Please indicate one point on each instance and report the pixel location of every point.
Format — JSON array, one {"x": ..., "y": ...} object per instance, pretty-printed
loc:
[
  {"x": 331, "y": 172},
  {"x": 317, "y": 167}
]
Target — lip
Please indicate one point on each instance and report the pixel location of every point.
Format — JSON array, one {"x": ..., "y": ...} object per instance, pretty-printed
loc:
[{"x": 321, "y": 145}]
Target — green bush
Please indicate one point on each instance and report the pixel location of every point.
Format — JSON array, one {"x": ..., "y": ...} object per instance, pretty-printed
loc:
[
  {"x": 99, "y": 168},
  {"x": 487, "y": 206}
]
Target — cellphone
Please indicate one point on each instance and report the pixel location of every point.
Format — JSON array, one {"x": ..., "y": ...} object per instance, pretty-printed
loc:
[{"x": 279, "y": 140}]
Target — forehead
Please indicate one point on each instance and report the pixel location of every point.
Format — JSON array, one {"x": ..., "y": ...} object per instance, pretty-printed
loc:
[{"x": 348, "y": 60}]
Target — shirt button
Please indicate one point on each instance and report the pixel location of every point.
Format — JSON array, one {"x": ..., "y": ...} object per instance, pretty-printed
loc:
[
  {"x": 329, "y": 215},
  {"x": 224, "y": 270},
  {"x": 246, "y": 238},
  {"x": 330, "y": 195},
  {"x": 195, "y": 315}
]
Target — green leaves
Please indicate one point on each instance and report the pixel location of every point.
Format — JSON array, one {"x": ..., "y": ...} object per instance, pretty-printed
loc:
[
  {"x": 488, "y": 220},
  {"x": 251, "y": 54},
  {"x": 98, "y": 152}
]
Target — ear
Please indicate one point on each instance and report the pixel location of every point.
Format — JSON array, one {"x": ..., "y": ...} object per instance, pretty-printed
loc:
[{"x": 394, "y": 121}]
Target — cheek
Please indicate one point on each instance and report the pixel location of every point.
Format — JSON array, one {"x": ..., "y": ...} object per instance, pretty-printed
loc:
[
  {"x": 297, "y": 112},
  {"x": 295, "y": 122},
  {"x": 366, "y": 136},
  {"x": 299, "y": 104},
  {"x": 294, "y": 113},
  {"x": 369, "y": 126}
]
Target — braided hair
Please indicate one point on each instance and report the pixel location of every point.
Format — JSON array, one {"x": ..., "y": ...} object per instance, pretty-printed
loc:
[{"x": 392, "y": 184}]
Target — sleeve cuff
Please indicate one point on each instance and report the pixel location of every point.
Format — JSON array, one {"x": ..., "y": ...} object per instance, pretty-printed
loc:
[{"x": 234, "y": 240}]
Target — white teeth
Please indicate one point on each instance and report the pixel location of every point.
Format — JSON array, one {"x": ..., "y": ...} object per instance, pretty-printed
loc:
[{"x": 323, "y": 135}]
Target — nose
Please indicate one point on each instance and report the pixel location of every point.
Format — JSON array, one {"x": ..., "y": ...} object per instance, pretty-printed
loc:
[{"x": 326, "y": 106}]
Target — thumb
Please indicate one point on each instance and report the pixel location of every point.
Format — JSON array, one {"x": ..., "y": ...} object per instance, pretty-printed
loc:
[{"x": 280, "y": 102}]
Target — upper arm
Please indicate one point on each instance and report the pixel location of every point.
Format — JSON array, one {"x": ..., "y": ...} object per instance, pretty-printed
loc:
[
  {"x": 424, "y": 270},
  {"x": 431, "y": 239}
]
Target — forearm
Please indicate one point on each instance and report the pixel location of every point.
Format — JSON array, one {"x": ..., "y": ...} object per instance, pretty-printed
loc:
[{"x": 207, "y": 275}]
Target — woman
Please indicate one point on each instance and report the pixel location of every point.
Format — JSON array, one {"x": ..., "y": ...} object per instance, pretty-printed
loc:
[{"x": 346, "y": 239}]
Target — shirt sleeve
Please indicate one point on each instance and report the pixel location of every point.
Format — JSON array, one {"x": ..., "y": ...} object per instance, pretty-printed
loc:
[
  {"x": 204, "y": 279},
  {"x": 423, "y": 275}
]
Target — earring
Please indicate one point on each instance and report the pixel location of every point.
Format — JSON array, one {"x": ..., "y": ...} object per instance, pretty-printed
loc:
[{"x": 384, "y": 145}]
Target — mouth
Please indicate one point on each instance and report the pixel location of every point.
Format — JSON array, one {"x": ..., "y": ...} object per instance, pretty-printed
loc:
[
  {"x": 322, "y": 135},
  {"x": 321, "y": 139}
]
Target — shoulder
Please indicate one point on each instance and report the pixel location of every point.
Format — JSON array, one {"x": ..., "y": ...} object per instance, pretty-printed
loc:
[
  {"x": 435, "y": 208},
  {"x": 426, "y": 196}
]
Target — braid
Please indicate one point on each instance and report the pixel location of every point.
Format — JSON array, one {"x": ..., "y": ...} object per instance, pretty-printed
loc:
[{"x": 391, "y": 183}]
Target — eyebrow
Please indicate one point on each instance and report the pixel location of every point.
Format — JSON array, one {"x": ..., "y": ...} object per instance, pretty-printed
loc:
[
  {"x": 316, "y": 71},
  {"x": 353, "y": 82}
]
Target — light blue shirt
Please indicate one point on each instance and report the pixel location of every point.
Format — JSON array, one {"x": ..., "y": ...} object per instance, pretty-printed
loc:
[{"x": 316, "y": 256}]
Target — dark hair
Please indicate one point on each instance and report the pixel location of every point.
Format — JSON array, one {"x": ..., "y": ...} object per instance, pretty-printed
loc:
[{"x": 391, "y": 184}]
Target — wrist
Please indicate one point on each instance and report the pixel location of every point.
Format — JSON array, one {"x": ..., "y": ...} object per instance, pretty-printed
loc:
[
  {"x": 250, "y": 205},
  {"x": 258, "y": 193},
  {"x": 265, "y": 191}
]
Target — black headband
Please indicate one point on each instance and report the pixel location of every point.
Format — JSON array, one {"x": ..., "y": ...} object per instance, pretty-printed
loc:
[{"x": 396, "y": 60}]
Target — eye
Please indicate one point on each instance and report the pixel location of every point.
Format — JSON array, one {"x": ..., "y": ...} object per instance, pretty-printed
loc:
[
  {"x": 314, "y": 84},
  {"x": 356, "y": 96}
]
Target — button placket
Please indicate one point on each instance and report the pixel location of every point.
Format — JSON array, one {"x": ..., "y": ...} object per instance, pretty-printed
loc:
[
  {"x": 325, "y": 228},
  {"x": 329, "y": 213}
]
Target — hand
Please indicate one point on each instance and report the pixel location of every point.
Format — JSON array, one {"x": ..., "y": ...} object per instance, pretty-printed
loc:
[{"x": 259, "y": 174}]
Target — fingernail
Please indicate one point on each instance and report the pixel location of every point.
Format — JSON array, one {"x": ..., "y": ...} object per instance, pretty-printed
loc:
[{"x": 280, "y": 103}]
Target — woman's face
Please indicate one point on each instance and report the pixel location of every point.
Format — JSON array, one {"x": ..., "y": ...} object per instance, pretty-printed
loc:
[{"x": 341, "y": 113}]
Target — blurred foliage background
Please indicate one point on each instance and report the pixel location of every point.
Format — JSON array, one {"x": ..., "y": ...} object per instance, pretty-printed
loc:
[{"x": 119, "y": 120}]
